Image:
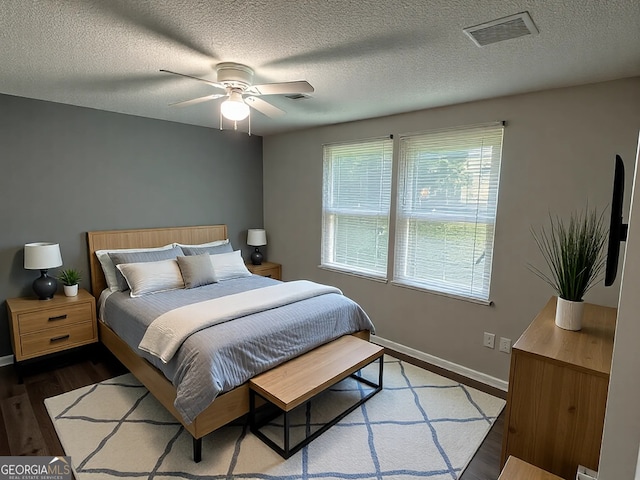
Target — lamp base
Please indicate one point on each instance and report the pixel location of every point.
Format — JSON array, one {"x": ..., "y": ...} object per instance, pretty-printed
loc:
[
  {"x": 256, "y": 257},
  {"x": 44, "y": 286}
]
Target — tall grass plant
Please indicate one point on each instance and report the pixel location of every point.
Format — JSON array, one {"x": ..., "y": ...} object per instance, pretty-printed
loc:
[{"x": 574, "y": 253}]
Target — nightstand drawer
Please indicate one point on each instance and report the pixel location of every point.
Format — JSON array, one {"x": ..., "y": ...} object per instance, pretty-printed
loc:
[
  {"x": 273, "y": 272},
  {"x": 57, "y": 339},
  {"x": 54, "y": 317},
  {"x": 267, "y": 269}
]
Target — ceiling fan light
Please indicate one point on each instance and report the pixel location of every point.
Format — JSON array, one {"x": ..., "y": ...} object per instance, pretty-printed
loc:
[{"x": 234, "y": 108}]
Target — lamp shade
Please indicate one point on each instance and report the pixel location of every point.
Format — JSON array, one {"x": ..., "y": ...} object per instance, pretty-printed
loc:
[
  {"x": 41, "y": 256},
  {"x": 234, "y": 107},
  {"x": 256, "y": 237}
]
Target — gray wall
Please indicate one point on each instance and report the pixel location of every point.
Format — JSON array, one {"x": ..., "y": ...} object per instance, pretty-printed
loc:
[
  {"x": 558, "y": 153},
  {"x": 67, "y": 170}
]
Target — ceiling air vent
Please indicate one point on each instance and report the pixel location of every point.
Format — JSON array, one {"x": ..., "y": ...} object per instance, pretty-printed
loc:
[
  {"x": 297, "y": 96},
  {"x": 505, "y": 28}
]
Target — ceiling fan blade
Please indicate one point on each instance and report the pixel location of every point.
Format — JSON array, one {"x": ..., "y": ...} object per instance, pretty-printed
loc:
[
  {"x": 197, "y": 100},
  {"x": 283, "y": 88},
  {"x": 117, "y": 83},
  {"x": 264, "y": 107},
  {"x": 374, "y": 44},
  {"x": 142, "y": 17},
  {"x": 213, "y": 84}
]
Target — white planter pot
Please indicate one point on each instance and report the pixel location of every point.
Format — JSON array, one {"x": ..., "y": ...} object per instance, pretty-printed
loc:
[
  {"x": 569, "y": 314},
  {"x": 70, "y": 290}
]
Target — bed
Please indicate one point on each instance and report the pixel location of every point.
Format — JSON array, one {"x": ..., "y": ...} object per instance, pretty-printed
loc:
[{"x": 228, "y": 405}]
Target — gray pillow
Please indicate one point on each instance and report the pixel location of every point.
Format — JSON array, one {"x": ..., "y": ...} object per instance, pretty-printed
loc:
[
  {"x": 151, "y": 277},
  {"x": 215, "y": 250},
  {"x": 196, "y": 270},
  {"x": 138, "y": 257}
]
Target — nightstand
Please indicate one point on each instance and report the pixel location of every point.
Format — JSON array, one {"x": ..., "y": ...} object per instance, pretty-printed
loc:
[
  {"x": 267, "y": 269},
  {"x": 40, "y": 327}
]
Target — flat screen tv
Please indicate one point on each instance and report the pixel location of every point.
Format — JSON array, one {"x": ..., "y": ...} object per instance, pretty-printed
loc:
[{"x": 617, "y": 229}]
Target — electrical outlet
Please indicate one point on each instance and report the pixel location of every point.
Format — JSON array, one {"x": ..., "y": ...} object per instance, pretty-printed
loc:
[
  {"x": 505, "y": 345},
  {"x": 489, "y": 339}
]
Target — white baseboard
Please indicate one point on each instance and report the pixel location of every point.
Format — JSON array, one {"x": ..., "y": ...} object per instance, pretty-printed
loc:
[
  {"x": 439, "y": 362},
  {"x": 6, "y": 360}
]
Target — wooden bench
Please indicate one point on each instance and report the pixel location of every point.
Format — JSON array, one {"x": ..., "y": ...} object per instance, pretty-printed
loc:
[{"x": 299, "y": 380}]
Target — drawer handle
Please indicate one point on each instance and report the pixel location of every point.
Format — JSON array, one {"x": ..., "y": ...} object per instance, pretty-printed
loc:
[
  {"x": 61, "y": 337},
  {"x": 59, "y": 317}
]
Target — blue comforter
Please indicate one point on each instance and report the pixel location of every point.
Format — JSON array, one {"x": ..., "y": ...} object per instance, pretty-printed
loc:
[{"x": 221, "y": 357}]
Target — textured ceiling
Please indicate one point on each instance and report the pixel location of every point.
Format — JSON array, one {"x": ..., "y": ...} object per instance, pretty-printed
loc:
[{"x": 365, "y": 58}]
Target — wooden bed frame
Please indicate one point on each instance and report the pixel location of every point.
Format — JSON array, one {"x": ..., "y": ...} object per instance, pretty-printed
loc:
[{"x": 226, "y": 407}]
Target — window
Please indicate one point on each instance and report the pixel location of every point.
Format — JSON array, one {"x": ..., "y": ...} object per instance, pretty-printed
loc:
[
  {"x": 446, "y": 210},
  {"x": 355, "y": 206}
]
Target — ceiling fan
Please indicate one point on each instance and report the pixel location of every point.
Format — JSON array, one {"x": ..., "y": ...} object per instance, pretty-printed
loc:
[{"x": 237, "y": 82}]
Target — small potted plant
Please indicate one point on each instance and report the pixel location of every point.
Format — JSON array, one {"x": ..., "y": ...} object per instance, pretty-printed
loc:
[
  {"x": 575, "y": 255},
  {"x": 70, "y": 277}
]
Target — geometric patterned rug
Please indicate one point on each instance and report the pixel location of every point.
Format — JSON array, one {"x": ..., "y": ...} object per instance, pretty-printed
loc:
[{"x": 420, "y": 425}]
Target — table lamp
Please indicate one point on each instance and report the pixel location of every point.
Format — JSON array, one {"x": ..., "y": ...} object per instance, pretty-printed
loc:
[
  {"x": 256, "y": 237},
  {"x": 43, "y": 256}
]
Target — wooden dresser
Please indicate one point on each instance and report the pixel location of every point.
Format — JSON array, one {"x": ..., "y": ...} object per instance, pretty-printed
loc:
[{"x": 558, "y": 391}]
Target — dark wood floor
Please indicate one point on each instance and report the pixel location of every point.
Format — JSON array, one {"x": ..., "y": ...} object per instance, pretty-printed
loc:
[{"x": 25, "y": 427}]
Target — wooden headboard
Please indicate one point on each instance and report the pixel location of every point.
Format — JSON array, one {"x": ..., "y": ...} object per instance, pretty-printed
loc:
[{"x": 144, "y": 238}]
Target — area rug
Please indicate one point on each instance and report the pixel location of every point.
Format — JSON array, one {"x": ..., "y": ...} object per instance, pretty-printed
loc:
[{"x": 420, "y": 425}]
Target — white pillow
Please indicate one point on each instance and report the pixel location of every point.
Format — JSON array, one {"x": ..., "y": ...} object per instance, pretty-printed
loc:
[
  {"x": 215, "y": 243},
  {"x": 152, "y": 277},
  {"x": 109, "y": 268},
  {"x": 229, "y": 265}
]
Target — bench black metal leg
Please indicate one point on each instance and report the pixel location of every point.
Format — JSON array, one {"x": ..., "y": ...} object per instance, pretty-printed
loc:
[
  {"x": 197, "y": 449},
  {"x": 288, "y": 450},
  {"x": 252, "y": 410},
  {"x": 307, "y": 431}
]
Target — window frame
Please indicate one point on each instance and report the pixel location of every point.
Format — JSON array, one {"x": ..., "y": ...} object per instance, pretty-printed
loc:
[
  {"x": 402, "y": 220},
  {"x": 395, "y": 216},
  {"x": 329, "y": 209}
]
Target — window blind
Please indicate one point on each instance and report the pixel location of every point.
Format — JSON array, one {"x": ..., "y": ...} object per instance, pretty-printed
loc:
[
  {"x": 355, "y": 206},
  {"x": 446, "y": 210}
]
